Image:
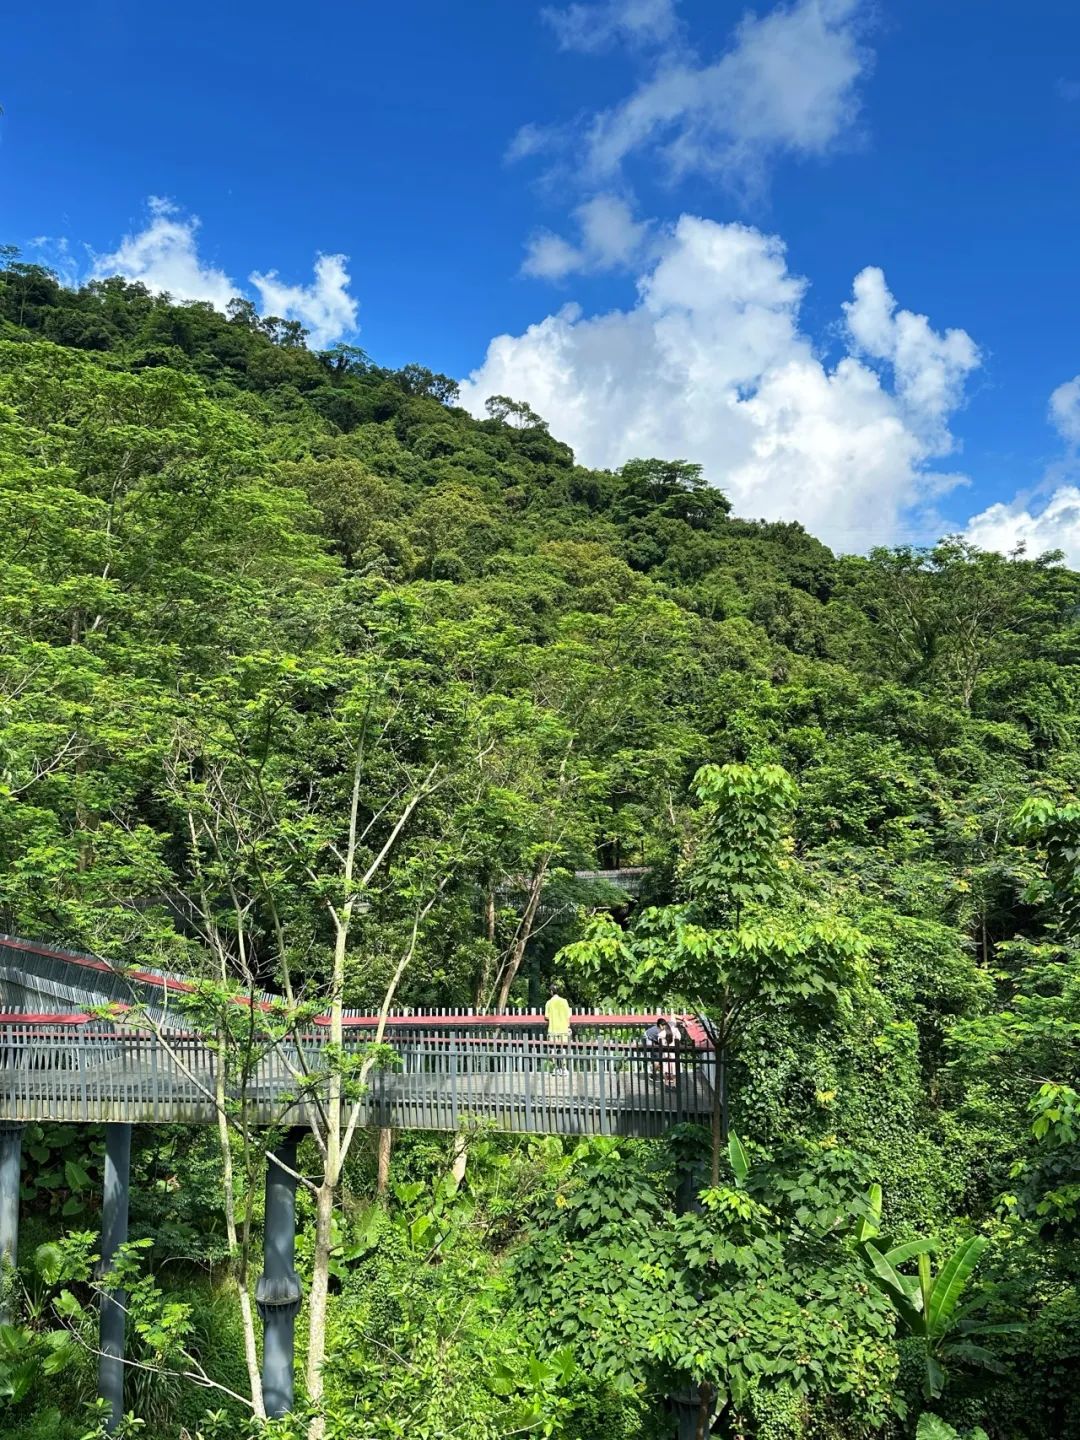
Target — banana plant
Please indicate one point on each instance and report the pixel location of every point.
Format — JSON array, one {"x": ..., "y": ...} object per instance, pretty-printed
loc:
[{"x": 927, "y": 1306}]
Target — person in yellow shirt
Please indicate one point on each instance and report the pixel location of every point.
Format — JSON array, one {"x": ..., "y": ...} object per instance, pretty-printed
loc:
[{"x": 557, "y": 1014}]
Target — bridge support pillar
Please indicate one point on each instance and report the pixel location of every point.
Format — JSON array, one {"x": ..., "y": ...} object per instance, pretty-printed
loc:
[
  {"x": 10, "y": 1165},
  {"x": 686, "y": 1405},
  {"x": 114, "y": 1234},
  {"x": 277, "y": 1293}
]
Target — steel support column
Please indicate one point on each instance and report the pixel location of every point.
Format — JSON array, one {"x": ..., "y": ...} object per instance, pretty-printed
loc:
[
  {"x": 686, "y": 1404},
  {"x": 10, "y": 1164},
  {"x": 687, "y": 1408},
  {"x": 277, "y": 1293},
  {"x": 114, "y": 1233}
]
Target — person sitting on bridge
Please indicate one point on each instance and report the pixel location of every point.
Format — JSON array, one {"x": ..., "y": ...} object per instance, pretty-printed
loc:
[{"x": 557, "y": 1014}]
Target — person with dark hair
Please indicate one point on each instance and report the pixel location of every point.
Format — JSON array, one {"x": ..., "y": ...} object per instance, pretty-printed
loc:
[
  {"x": 671, "y": 1039},
  {"x": 662, "y": 1038},
  {"x": 654, "y": 1037}
]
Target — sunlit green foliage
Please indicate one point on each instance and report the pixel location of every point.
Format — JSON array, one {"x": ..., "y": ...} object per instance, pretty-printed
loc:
[{"x": 852, "y": 780}]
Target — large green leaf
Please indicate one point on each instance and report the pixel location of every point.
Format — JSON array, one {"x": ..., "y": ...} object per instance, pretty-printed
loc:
[
  {"x": 49, "y": 1262},
  {"x": 20, "y": 1379},
  {"x": 740, "y": 1161},
  {"x": 900, "y": 1253},
  {"x": 926, "y": 1283},
  {"x": 869, "y": 1222},
  {"x": 76, "y": 1176},
  {"x": 974, "y": 1355},
  {"x": 420, "y": 1227},
  {"x": 950, "y": 1283},
  {"x": 61, "y": 1352},
  {"x": 13, "y": 1342},
  {"x": 934, "y": 1381},
  {"x": 932, "y": 1427},
  {"x": 905, "y": 1298}
]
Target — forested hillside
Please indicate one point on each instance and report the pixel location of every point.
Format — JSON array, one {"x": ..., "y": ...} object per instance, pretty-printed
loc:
[{"x": 313, "y": 683}]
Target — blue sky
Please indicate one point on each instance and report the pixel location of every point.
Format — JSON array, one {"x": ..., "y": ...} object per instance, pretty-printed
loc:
[{"x": 702, "y": 181}]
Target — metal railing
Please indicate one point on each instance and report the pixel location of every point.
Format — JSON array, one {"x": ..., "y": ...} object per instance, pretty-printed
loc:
[
  {"x": 92, "y": 1071},
  {"x": 37, "y": 977}
]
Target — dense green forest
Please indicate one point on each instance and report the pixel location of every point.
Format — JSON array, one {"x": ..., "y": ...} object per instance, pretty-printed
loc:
[{"x": 313, "y": 683}]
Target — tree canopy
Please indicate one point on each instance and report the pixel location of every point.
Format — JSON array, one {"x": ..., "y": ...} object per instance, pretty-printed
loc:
[{"x": 315, "y": 684}]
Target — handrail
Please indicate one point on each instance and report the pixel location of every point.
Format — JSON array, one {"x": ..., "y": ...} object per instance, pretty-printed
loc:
[{"x": 121, "y": 1073}]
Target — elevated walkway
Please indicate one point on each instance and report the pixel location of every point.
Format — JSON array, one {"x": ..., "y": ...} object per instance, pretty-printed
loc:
[
  {"x": 60, "y": 1063},
  {"x": 141, "y": 1064}
]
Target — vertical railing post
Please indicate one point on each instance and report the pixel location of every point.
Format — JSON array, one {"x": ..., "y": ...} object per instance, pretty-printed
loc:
[
  {"x": 277, "y": 1293},
  {"x": 687, "y": 1402},
  {"x": 114, "y": 1231},
  {"x": 10, "y": 1164}
]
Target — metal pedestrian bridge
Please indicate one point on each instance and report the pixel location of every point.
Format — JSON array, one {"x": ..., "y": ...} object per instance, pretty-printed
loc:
[
  {"x": 61, "y": 1062},
  {"x": 86, "y": 1042},
  {"x": 77, "y": 1070}
]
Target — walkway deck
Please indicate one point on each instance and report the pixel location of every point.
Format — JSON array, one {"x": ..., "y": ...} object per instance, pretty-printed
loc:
[
  {"x": 445, "y": 1070},
  {"x": 84, "y": 1072}
]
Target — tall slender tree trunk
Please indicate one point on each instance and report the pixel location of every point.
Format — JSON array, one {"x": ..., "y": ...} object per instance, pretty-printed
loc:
[
  {"x": 337, "y": 1140},
  {"x": 719, "y": 1115},
  {"x": 460, "y": 1158},
  {"x": 327, "y": 1192},
  {"x": 524, "y": 933},
  {"x": 324, "y": 1202},
  {"x": 706, "y": 1397},
  {"x": 382, "y": 1177},
  {"x": 484, "y": 978},
  {"x": 317, "y": 1305},
  {"x": 237, "y": 1259}
]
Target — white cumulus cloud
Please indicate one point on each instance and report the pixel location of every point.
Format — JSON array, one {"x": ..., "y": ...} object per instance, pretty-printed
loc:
[
  {"x": 710, "y": 364},
  {"x": 1065, "y": 410},
  {"x": 589, "y": 28},
  {"x": 164, "y": 256},
  {"x": 610, "y": 238},
  {"x": 325, "y": 308},
  {"x": 787, "y": 82},
  {"x": 930, "y": 367},
  {"x": 1055, "y": 527}
]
